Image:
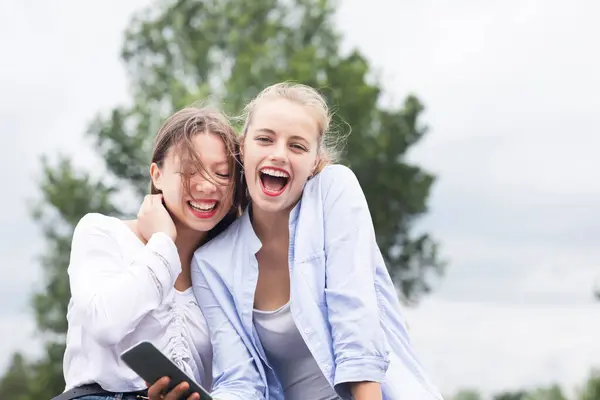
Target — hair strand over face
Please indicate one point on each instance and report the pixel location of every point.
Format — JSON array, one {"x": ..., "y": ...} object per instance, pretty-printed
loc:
[{"x": 177, "y": 133}]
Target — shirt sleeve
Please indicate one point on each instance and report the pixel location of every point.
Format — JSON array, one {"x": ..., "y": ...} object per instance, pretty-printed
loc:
[
  {"x": 112, "y": 294},
  {"x": 352, "y": 255},
  {"x": 235, "y": 376}
]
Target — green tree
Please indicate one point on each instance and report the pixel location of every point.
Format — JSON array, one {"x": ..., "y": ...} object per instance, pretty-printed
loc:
[
  {"x": 591, "y": 389},
  {"x": 179, "y": 51},
  {"x": 520, "y": 395},
  {"x": 16, "y": 379},
  {"x": 467, "y": 394},
  {"x": 66, "y": 196},
  {"x": 553, "y": 392}
]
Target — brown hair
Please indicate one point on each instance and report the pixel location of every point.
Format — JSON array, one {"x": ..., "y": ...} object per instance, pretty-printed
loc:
[
  {"x": 310, "y": 98},
  {"x": 178, "y": 131}
]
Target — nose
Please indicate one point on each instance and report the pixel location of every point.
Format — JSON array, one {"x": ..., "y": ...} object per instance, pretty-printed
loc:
[
  {"x": 205, "y": 186},
  {"x": 279, "y": 153}
]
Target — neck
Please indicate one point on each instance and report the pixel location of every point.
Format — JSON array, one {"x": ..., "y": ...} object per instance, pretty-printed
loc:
[
  {"x": 187, "y": 243},
  {"x": 269, "y": 225}
]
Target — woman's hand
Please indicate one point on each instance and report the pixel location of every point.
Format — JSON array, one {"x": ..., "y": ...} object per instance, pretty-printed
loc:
[
  {"x": 153, "y": 217},
  {"x": 157, "y": 391}
]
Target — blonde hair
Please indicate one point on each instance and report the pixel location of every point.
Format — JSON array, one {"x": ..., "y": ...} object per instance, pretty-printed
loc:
[{"x": 309, "y": 98}]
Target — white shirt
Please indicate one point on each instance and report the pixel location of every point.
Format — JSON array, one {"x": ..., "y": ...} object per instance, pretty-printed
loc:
[{"x": 122, "y": 293}]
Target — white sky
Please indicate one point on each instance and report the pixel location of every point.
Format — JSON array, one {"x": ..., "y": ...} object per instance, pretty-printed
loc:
[{"x": 511, "y": 90}]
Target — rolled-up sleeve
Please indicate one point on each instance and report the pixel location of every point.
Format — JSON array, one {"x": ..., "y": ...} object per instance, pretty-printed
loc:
[
  {"x": 360, "y": 348},
  {"x": 235, "y": 376}
]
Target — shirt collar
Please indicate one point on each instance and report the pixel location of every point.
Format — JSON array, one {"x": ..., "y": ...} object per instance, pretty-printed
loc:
[{"x": 254, "y": 243}]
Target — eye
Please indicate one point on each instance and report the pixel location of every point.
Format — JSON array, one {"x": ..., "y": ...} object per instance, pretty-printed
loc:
[
  {"x": 299, "y": 147},
  {"x": 222, "y": 175},
  {"x": 263, "y": 139}
]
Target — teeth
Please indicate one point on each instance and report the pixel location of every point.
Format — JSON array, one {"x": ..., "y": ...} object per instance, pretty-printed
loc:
[
  {"x": 202, "y": 206},
  {"x": 275, "y": 172}
]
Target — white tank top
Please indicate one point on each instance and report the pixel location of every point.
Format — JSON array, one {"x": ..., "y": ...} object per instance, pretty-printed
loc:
[{"x": 291, "y": 359}]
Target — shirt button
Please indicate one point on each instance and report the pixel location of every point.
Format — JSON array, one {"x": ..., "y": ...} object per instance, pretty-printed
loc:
[{"x": 306, "y": 330}]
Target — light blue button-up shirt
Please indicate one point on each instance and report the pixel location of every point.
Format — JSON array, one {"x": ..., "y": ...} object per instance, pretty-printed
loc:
[{"x": 342, "y": 298}]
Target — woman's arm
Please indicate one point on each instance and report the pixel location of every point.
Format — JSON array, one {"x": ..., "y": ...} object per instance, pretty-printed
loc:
[
  {"x": 235, "y": 375},
  {"x": 113, "y": 295},
  {"x": 366, "y": 390},
  {"x": 359, "y": 343}
]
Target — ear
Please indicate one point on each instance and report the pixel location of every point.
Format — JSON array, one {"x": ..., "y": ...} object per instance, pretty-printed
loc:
[
  {"x": 315, "y": 165},
  {"x": 156, "y": 175}
]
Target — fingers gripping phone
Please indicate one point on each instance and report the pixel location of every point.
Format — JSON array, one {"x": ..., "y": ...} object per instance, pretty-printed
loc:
[{"x": 151, "y": 365}]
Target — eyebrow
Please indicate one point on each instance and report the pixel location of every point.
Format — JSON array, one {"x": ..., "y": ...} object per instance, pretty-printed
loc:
[
  {"x": 272, "y": 132},
  {"x": 266, "y": 130}
]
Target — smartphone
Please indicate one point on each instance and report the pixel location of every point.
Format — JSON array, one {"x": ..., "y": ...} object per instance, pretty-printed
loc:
[{"x": 151, "y": 365}]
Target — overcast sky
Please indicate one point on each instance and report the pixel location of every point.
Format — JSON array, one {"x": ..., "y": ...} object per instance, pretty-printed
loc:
[{"x": 512, "y": 96}]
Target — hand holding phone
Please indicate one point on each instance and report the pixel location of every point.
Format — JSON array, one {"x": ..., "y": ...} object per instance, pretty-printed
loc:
[
  {"x": 160, "y": 390},
  {"x": 153, "y": 367},
  {"x": 153, "y": 217}
]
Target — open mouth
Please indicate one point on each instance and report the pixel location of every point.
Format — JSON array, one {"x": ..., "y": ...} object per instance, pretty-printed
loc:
[
  {"x": 273, "y": 180},
  {"x": 203, "y": 208}
]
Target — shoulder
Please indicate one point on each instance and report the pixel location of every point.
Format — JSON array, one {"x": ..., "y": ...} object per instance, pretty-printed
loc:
[
  {"x": 334, "y": 181},
  {"x": 335, "y": 173},
  {"x": 96, "y": 233},
  {"x": 96, "y": 224}
]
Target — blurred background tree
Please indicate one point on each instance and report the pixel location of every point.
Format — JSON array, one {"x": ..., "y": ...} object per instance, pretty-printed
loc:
[
  {"x": 467, "y": 394},
  {"x": 591, "y": 390},
  {"x": 180, "y": 51}
]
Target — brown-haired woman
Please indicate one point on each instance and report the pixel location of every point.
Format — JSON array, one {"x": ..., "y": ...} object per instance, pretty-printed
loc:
[{"x": 130, "y": 280}]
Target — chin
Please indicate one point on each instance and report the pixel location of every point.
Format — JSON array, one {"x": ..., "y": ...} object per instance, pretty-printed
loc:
[
  {"x": 269, "y": 206},
  {"x": 202, "y": 225},
  {"x": 199, "y": 226},
  {"x": 205, "y": 226},
  {"x": 274, "y": 204}
]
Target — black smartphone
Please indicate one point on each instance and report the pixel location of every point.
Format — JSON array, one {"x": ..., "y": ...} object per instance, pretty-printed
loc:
[{"x": 151, "y": 365}]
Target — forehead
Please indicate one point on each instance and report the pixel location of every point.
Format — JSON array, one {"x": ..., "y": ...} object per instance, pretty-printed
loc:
[
  {"x": 208, "y": 147},
  {"x": 285, "y": 117}
]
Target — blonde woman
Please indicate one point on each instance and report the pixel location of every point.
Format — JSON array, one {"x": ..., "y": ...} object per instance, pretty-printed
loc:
[{"x": 296, "y": 291}]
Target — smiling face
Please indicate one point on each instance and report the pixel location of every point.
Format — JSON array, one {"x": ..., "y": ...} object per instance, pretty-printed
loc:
[
  {"x": 280, "y": 153},
  {"x": 196, "y": 198},
  {"x": 195, "y": 167}
]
